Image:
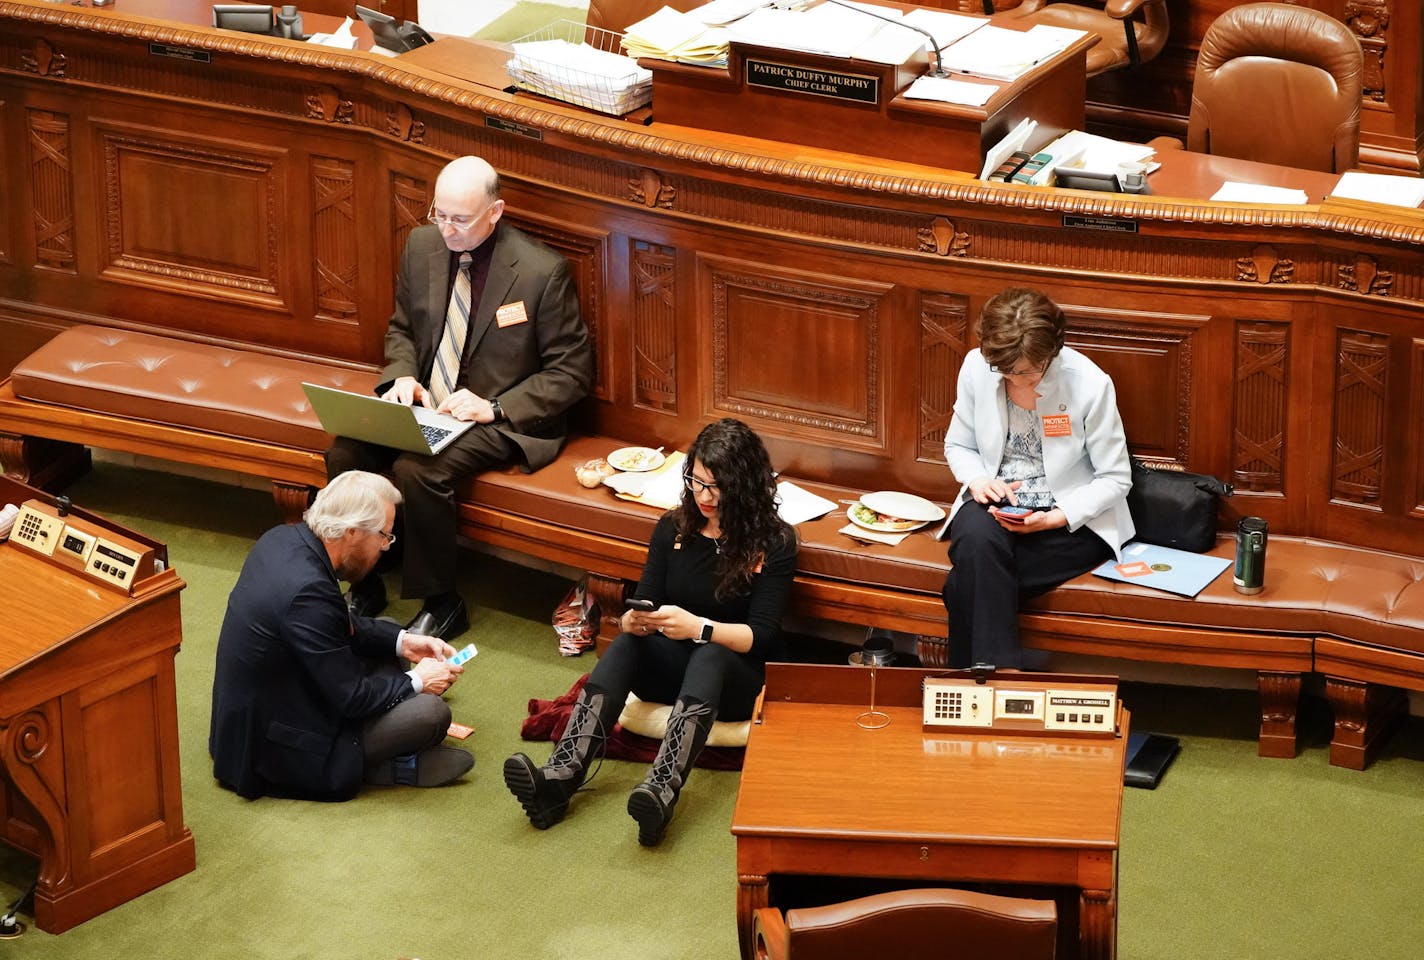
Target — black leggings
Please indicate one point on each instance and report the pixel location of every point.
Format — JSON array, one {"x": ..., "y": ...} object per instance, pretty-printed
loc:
[{"x": 664, "y": 671}]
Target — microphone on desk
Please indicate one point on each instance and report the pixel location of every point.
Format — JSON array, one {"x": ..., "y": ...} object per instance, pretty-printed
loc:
[{"x": 934, "y": 44}]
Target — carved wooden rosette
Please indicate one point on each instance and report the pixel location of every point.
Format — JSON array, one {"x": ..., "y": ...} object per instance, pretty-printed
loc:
[{"x": 1259, "y": 419}]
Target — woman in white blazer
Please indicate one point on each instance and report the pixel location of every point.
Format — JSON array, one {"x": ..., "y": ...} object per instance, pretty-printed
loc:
[{"x": 1038, "y": 446}]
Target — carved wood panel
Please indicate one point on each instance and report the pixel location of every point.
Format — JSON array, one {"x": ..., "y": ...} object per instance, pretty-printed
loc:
[
  {"x": 1361, "y": 385},
  {"x": 653, "y": 317},
  {"x": 1150, "y": 360},
  {"x": 798, "y": 353},
  {"x": 334, "y": 254},
  {"x": 1415, "y": 404},
  {"x": 6, "y": 197},
  {"x": 410, "y": 201},
  {"x": 51, "y": 189},
  {"x": 944, "y": 341},
  {"x": 1258, "y": 443},
  {"x": 586, "y": 255},
  {"x": 194, "y": 215}
]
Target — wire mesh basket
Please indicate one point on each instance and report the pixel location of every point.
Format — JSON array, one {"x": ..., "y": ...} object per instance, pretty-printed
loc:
[{"x": 582, "y": 65}]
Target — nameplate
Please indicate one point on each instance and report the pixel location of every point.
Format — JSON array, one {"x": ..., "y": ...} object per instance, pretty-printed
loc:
[
  {"x": 854, "y": 87},
  {"x": 518, "y": 129},
  {"x": 180, "y": 53},
  {"x": 1108, "y": 224}
]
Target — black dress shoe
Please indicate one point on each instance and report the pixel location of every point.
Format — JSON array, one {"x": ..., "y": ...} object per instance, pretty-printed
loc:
[
  {"x": 367, "y": 597},
  {"x": 445, "y": 622}
]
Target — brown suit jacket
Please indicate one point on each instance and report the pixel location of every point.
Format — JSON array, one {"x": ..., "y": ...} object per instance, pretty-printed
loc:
[{"x": 537, "y": 368}]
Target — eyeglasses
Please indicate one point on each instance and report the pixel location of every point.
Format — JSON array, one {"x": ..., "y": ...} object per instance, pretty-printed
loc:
[
  {"x": 699, "y": 486},
  {"x": 390, "y": 537},
  {"x": 1034, "y": 371},
  {"x": 459, "y": 222}
]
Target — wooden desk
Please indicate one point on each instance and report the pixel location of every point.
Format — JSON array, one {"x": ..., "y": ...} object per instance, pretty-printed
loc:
[
  {"x": 89, "y": 771},
  {"x": 890, "y": 124},
  {"x": 1003, "y": 809}
]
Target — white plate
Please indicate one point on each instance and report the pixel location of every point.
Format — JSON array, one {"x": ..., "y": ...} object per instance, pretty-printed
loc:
[
  {"x": 894, "y": 504},
  {"x": 896, "y": 526},
  {"x": 636, "y": 459}
]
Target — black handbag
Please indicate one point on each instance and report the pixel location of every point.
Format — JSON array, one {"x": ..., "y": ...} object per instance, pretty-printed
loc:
[{"x": 1173, "y": 508}]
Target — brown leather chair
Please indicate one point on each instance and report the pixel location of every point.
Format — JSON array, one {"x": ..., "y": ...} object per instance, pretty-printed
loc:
[
  {"x": 1281, "y": 84},
  {"x": 910, "y": 925},
  {"x": 1130, "y": 32}
]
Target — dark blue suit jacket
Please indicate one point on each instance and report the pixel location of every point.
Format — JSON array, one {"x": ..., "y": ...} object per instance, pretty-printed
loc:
[{"x": 296, "y": 676}]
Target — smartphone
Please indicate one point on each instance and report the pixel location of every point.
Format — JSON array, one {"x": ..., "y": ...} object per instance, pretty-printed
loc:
[
  {"x": 1012, "y": 514},
  {"x": 638, "y": 603},
  {"x": 459, "y": 659}
]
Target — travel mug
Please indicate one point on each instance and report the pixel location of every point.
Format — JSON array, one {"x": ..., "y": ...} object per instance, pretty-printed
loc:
[{"x": 1250, "y": 573}]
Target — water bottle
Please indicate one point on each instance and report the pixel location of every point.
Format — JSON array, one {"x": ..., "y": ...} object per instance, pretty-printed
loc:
[{"x": 1250, "y": 573}]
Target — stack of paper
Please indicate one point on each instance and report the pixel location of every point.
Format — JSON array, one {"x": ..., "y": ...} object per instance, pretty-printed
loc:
[
  {"x": 1002, "y": 54},
  {"x": 1380, "y": 188},
  {"x": 1233, "y": 192},
  {"x": 1076, "y": 150},
  {"x": 581, "y": 74},
  {"x": 719, "y": 13},
  {"x": 680, "y": 37}
]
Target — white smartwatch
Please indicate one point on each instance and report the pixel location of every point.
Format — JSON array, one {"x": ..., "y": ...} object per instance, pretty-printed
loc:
[{"x": 705, "y": 636}]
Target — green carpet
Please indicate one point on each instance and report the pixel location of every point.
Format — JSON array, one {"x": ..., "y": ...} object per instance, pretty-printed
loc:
[
  {"x": 525, "y": 18},
  {"x": 1233, "y": 856}
]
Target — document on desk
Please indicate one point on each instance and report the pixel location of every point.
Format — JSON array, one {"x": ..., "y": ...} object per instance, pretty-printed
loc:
[
  {"x": 719, "y": 13},
  {"x": 827, "y": 29},
  {"x": 1234, "y": 192},
  {"x": 1380, "y": 188},
  {"x": 679, "y": 37},
  {"x": 1002, "y": 54},
  {"x": 946, "y": 90},
  {"x": 945, "y": 27},
  {"x": 797, "y": 504}
]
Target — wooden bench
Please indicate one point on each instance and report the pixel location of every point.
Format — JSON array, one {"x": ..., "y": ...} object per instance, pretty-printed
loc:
[{"x": 1353, "y": 614}]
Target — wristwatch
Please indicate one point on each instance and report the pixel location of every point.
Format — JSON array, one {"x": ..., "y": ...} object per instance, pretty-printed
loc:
[
  {"x": 497, "y": 410},
  {"x": 706, "y": 635}
]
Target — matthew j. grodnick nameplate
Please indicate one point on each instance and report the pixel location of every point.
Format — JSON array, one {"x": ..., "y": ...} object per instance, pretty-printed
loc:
[{"x": 821, "y": 83}]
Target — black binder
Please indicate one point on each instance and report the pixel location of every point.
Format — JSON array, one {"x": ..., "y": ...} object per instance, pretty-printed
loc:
[{"x": 1148, "y": 757}]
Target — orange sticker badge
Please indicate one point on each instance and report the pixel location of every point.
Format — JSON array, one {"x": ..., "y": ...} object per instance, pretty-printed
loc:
[
  {"x": 510, "y": 314},
  {"x": 1135, "y": 568},
  {"x": 1057, "y": 425}
]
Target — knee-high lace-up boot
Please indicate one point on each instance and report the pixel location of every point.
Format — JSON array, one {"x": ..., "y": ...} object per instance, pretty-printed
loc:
[
  {"x": 651, "y": 803},
  {"x": 545, "y": 791}
]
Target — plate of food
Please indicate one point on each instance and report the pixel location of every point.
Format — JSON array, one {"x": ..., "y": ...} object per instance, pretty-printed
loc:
[
  {"x": 863, "y": 516},
  {"x": 906, "y": 506},
  {"x": 636, "y": 459}
]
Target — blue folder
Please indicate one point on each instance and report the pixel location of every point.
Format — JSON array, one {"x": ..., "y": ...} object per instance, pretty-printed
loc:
[{"x": 1162, "y": 568}]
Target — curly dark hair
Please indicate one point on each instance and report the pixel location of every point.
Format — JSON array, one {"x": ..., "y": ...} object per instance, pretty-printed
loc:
[{"x": 751, "y": 528}]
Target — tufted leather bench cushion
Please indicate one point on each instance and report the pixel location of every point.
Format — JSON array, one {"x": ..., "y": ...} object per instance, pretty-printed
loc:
[
  {"x": 1313, "y": 587},
  {"x": 198, "y": 386}
]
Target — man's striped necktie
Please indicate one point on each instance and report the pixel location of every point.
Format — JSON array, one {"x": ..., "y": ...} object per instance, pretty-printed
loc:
[{"x": 444, "y": 378}]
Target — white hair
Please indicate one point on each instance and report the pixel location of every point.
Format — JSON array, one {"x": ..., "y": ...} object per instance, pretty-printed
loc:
[{"x": 355, "y": 500}]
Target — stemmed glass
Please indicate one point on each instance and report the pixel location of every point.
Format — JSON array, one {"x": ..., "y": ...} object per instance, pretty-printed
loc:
[{"x": 872, "y": 719}]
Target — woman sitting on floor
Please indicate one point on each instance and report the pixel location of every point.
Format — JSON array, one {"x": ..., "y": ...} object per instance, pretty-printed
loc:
[{"x": 718, "y": 576}]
